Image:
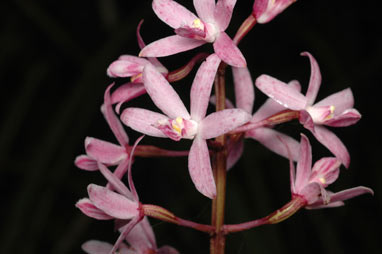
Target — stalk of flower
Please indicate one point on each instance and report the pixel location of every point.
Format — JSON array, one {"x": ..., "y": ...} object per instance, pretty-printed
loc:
[
  {"x": 192, "y": 31},
  {"x": 335, "y": 111},
  {"x": 308, "y": 187},
  {"x": 178, "y": 123}
]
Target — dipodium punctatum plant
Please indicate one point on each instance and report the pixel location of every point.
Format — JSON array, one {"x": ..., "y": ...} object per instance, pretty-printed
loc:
[{"x": 217, "y": 137}]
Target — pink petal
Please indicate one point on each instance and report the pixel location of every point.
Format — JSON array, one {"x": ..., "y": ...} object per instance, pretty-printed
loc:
[
  {"x": 86, "y": 163},
  {"x": 228, "y": 51},
  {"x": 201, "y": 87},
  {"x": 347, "y": 118},
  {"x": 315, "y": 79},
  {"x": 104, "y": 151},
  {"x": 112, "y": 119},
  {"x": 126, "y": 66},
  {"x": 221, "y": 122},
  {"x": 167, "y": 250},
  {"x": 342, "y": 101},
  {"x": 96, "y": 247},
  {"x": 169, "y": 46},
  {"x": 235, "y": 151},
  {"x": 87, "y": 207},
  {"x": 199, "y": 166},
  {"x": 286, "y": 95},
  {"x": 126, "y": 92},
  {"x": 270, "y": 139},
  {"x": 112, "y": 203},
  {"x": 163, "y": 94},
  {"x": 304, "y": 164},
  {"x": 325, "y": 171},
  {"x": 244, "y": 89},
  {"x": 142, "y": 236},
  {"x": 172, "y": 13},
  {"x": 333, "y": 143},
  {"x": 266, "y": 10},
  {"x": 142, "y": 120},
  {"x": 205, "y": 9},
  {"x": 223, "y": 13}
]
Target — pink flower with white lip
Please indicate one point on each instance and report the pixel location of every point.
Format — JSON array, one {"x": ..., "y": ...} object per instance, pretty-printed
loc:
[
  {"x": 266, "y": 10},
  {"x": 177, "y": 123},
  {"x": 192, "y": 31},
  {"x": 336, "y": 110},
  {"x": 310, "y": 183}
]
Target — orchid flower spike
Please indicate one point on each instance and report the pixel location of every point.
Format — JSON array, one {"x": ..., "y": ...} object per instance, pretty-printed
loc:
[
  {"x": 335, "y": 111},
  {"x": 193, "y": 31},
  {"x": 310, "y": 183},
  {"x": 178, "y": 123},
  {"x": 266, "y": 10},
  {"x": 141, "y": 240}
]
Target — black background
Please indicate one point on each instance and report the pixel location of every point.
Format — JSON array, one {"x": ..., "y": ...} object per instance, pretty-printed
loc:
[{"x": 53, "y": 57}]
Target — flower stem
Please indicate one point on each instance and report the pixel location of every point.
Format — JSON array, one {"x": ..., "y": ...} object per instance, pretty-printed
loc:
[{"x": 217, "y": 241}]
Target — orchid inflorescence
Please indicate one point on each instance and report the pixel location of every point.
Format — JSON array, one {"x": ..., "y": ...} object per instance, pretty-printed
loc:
[{"x": 217, "y": 136}]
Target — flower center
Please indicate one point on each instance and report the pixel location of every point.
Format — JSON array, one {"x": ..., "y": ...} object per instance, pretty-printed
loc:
[
  {"x": 177, "y": 128},
  {"x": 321, "y": 114}
]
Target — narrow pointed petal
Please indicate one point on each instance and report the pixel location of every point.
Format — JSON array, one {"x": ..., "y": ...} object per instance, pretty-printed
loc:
[
  {"x": 112, "y": 203},
  {"x": 201, "y": 87},
  {"x": 125, "y": 230},
  {"x": 96, "y": 247},
  {"x": 142, "y": 120},
  {"x": 244, "y": 90},
  {"x": 125, "y": 93},
  {"x": 205, "y": 9},
  {"x": 333, "y": 143},
  {"x": 234, "y": 153},
  {"x": 199, "y": 166},
  {"x": 221, "y": 122},
  {"x": 172, "y": 13},
  {"x": 266, "y": 10},
  {"x": 341, "y": 100},
  {"x": 89, "y": 209},
  {"x": 142, "y": 236},
  {"x": 163, "y": 94},
  {"x": 270, "y": 139},
  {"x": 347, "y": 118},
  {"x": 115, "y": 181},
  {"x": 304, "y": 164},
  {"x": 315, "y": 79},
  {"x": 286, "y": 95},
  {"x": 112, "y": 119},
  {"x": 228, "y": 51},
  {"x": 104, "y": 151},
  {"x": 86, "y": 163},
  {"x": 170, "y": 45},
  {"x": 126, "y": 66},
  {"x": 223, "y": 13}
]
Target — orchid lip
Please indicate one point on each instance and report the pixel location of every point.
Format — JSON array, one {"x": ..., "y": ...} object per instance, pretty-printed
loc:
[{"x": 178, "y": 128}]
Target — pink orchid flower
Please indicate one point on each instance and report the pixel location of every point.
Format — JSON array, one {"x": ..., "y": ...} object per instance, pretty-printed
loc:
[
  {"x": 335, "y": 111},
  {"x": 177, "y": 123},
  {"x": 266, "y": 10},
  {"x": 141, "y": 240},
  {"x": 266, "y": 135},
  {"x": 310, "y": 183},
  {"x": 192, "y": 31}
]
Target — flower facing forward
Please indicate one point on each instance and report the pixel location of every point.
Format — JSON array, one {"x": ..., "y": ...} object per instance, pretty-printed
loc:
[
  {"x": 177, "y": 123},
  {"x": 192, "y": 31},
  {"x": 335, "y": 111}
]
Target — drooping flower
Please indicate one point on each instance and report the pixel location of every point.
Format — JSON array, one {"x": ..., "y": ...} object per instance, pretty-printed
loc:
[
  {"x": 310, "y": 183},
  {"x": 335, "y": 111},
  {"x": 177, "y": 123},
  {"x": 266, "y": 10},
  {"x": 192, "y": 31}
]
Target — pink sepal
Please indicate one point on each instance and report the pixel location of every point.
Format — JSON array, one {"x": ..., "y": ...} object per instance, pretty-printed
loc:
[
  {"x": 172, "y": 13},
  {"x": 126, "y": 66},
  {"x": 347, "y": 118},
  {"x": 266, "y": 10},
  {"x": 96, "y": 247},
  {"x": 104, "y": 152},
  {"x": 244, "y": 90},
  {"x": 112, "y": 203},
  {"x": 86, "y": 163},
  {"x": 89, "y": 209},
  {"x": 125, "y": 93},
  {"x": 235, "y": 151},
  {"x": 315, "y": 79},
  {"x": 199, "y": 166},
  {"x": 304, "y": 164},
  {"x": 223, "y": 13},
  {"x": 205, "y": 9},
  {"x": 228, "y": 52},
  {"x": 221, "y": 122}
]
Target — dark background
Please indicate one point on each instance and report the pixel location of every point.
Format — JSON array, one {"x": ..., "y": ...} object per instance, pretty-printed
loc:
[{"x": 53, "y": 57}]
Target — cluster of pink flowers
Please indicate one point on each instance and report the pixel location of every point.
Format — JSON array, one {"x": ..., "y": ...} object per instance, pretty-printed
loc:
[{"x": 117, "y": 202}]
